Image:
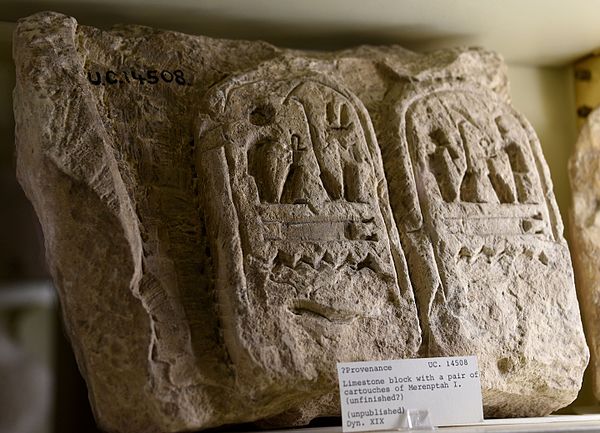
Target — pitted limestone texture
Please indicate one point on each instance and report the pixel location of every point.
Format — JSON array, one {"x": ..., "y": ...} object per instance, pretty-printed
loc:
[{"x": 226, "y": 220}]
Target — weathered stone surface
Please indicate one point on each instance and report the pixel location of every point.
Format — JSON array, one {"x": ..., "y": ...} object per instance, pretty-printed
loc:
[
  {"x": 584, "y": 227},
  {"x": 226, "y": 230}
]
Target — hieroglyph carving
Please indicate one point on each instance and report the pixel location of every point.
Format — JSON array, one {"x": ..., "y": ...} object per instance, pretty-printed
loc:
[
  {"x": 228, "y": 220},
  {"x": 485, "y": 230},
  {"x": 476, "y": 163},
  {"x": 295, "y": 165}
]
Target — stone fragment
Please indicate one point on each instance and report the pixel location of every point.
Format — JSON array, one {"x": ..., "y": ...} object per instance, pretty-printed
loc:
[
  {"x": 226, "y": 219},
  {"x": 584, "y": 227}
]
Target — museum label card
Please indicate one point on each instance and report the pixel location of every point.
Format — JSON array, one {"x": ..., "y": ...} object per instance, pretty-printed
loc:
[{"x": 377, "y": 395}]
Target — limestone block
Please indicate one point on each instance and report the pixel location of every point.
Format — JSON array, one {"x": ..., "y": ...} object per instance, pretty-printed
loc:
[
  {"x": 225, "y": 220},
  {"x": 585, "y": 232}
]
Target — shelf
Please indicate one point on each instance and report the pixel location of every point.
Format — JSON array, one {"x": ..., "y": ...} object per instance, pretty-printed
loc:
[
  {"x": 535, "y": 32},
  {"x": 551, "y": 424}
]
